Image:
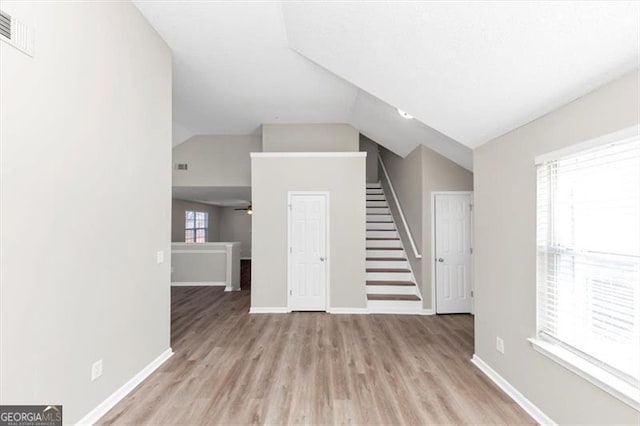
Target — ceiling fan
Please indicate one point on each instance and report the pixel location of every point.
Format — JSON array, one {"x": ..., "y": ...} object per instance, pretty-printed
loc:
[{"x": 248, "y": 209}]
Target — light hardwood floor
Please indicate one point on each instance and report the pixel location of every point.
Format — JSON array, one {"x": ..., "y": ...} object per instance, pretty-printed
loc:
[{"x": 230, "y": 367}]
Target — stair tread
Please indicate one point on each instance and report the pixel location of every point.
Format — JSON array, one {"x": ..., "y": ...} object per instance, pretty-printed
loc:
[
  {"x": 407, "y": 297},
  {"x": 397, "y": 283},
  {"x": 384, "y": 248},
  {"x": 378, "y": 229},
  {"x": 387, "y": 259},
  {"x": 378, "y": 239},
  {"x": 388, "y": 270}
]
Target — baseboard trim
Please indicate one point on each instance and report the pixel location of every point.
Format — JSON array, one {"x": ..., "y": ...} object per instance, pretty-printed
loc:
[
  {"x": 229, "y": 288},
  {"x": 427, "y": 312},
  {"x": 245, "y": 258},
  {"x": 259, "y": 310},
  {"x": 349, "y": 311},
  {"x": 528, "y": 406},
  {"x": 94, "y": 415},
  {"x": 199, "y": 284}
]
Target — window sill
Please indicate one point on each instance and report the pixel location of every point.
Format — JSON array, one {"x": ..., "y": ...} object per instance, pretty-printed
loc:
[{"x": 592, "y": 373}]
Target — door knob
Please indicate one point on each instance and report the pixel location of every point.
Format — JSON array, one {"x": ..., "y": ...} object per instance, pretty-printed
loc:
[
  {"x": 322, "y": 259},
  {"x": 440, "y": 259}
]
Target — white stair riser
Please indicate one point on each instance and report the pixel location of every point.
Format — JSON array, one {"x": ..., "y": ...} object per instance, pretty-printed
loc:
[
  {"x": 382, "y": 234},
  {"x": 392, "y": 289},
  {"x": 378, "y": 210},
  {"x": 383, "y": 243},
  {"x": 388, "y": 276},
  {"x": 380, "y": 217},
  {"x": 374, "y": 185},
  {"x": 381, "y": 226},
  {"x": 375, "y": 197},
  {"x": 386, "y": 253},
  {"x": 394, "y": 306},
  {"x": 376, "y": 204},
  {"x": 375, "y": 192},
  {"x": 387, "y": 264}
]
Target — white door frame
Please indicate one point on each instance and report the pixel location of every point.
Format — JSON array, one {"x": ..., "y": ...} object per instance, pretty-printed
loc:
[
  {"x": 433, "y": 247},
  {"x": 290, "y": 195}
]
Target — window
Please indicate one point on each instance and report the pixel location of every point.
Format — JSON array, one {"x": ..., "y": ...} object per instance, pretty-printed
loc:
[
  {"x": 196, "y": 227},
  {"x": 588, "y": 255}
]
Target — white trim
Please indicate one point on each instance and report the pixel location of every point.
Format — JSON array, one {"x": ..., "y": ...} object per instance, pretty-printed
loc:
[
  {"x": 394, "y": 311},
  {"x": 427, "y": 312},
  {"x": 618, "y": 136},
  {"x": 245, "y": 258},
  {"x": 327, "y": 262},
  {"x": 306, "y": 154},
  {"x": 198, "y": 283},
  {"x": 416, "y": 254},
  {"x": 350, "y": 311},
  {"x": 260, "y": 310},
  {"x": 606, "y": 381},
  {"x": 94, "y": 415},
  {"x": 528, "y": 406},
  {"x": 179, "y": 251},
  {"x": 434, "y": 306}
]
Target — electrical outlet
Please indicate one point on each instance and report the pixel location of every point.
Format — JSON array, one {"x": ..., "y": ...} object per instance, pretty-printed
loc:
[
  {"x": 500, "y": 345},
  {"x": 160, "y": 256},
  {"x": 96, "y": 370}
]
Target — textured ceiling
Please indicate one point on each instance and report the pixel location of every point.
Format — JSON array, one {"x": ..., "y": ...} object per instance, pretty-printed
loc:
[
  {"x": 468, "y": 72},
  {"x": 471, "y": 70}
]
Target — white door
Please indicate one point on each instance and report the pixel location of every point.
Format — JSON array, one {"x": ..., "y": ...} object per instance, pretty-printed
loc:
[
  {"x": 307, "y": 252},
  {"x": 453, "y": 253}
]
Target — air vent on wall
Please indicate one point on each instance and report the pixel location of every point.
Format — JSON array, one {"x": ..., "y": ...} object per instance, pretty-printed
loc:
[
  {"x": 182, "y": 166},
  {"x": 16, "y": 33}
]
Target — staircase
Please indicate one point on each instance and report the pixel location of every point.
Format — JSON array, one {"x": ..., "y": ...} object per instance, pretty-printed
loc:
[{"x": 391, "y": 286}]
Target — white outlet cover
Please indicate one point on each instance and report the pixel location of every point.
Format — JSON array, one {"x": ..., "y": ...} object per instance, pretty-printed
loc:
[
  {"x": 499, "y": 345},
  {"x": 96, "y": 370},
  {"x": 160, "y": 256}
]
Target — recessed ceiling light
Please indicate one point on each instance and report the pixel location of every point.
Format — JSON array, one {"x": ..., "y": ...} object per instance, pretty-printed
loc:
[{"x": 404, "y": 114}]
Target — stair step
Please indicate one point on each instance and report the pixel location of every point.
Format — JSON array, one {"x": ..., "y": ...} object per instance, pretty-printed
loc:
[
  {"x": 383, "y": 259},
  {"x": 409, "y": 297},
  {"x": 373, "y": 185},
  {"x": 398, "y": 283},
  {"x": 383, "y": 244},
  {"x": 379, "y": 221},
  {"x": 381, "y": 227},
  {"x": 384, "y": 248},
  {"x": 394, "y": 270},
  {"x": 377, "y": 203}
]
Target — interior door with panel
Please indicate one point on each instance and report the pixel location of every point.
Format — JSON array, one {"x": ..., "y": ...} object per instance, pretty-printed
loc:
[
  {"x": 307, "y": 252},
  {"x": 453, "y": 253}
]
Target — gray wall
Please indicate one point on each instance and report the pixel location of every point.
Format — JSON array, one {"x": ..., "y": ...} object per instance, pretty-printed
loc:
[
  {"x": 86, "y": 132},
  {"x": 235, "y": 225},
  {"x": 414, "y": 178},
  {"x": 309, "y": 138},
  {"x": 344, "y": 178},
  {"x": 372, "y": 149},
  {"x": 505, "y": 260},
  {"x": 215, "y": 160},
  {"x": 178, "y": 207}
]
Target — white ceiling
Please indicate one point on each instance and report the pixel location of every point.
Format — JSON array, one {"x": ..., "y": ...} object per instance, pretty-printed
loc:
[{"x": 470, "y": 70}]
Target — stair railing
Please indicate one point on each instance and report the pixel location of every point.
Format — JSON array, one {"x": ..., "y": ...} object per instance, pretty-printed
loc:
[{"x": 397, "y": 203}]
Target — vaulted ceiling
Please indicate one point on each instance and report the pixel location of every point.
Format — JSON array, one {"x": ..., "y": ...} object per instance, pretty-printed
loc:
[{"x": 467, "y": 71}]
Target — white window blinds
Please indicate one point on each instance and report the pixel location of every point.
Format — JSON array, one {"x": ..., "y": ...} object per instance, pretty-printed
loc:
[{"x": 588, "y": 252}]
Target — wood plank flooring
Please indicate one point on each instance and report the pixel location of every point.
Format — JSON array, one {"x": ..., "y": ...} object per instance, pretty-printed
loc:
[{"x": 230, "y": 367}]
